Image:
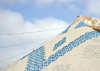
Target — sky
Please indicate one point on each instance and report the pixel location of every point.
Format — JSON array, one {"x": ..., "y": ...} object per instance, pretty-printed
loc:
[{"x": 20, "y": 16}]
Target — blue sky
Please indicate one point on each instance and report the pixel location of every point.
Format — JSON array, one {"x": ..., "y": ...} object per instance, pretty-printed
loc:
[
  {"x": 56, "y": 9},
  {"x": 17, "y": 16},
  {"x": 66, "y": 10}
]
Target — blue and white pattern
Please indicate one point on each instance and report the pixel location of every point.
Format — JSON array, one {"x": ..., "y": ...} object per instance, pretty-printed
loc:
[
  {"x": 66, "y": 30},
  {"x": 37, "y": 59},
  {"x": 59, "y": 43},
  {"x": 81, "y": 24}
]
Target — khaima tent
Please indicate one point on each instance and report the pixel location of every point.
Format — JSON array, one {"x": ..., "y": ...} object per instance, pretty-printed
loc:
[{"x": 75, "y": 49}]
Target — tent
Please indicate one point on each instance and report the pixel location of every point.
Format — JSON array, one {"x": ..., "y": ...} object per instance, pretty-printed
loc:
[{"x": 75, "y": 49}]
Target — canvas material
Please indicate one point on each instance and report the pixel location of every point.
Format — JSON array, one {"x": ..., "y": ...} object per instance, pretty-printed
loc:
[
  {"x": 16, "y": 66},
  {"x": 91, "y": 21},
  {"x": 81, "y": 57}
]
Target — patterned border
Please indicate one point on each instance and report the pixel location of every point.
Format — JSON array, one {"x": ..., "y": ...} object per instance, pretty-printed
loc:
[
  {"x": 81, "y": 24},
  {"x": 59, "y": 43},
  {"x": 70, "y": 46},
  {"x": 36, "y": 64},
  {"x": 36, "y": 58}
]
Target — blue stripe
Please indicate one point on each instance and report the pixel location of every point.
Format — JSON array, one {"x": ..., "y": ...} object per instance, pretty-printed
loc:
[
  {"x": 59, "y": 43},
  {"x": 38, "y": 62},
  {"x": 81, "y": 24}
]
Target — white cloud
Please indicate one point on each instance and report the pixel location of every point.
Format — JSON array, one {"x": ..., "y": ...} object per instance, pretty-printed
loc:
[
  {"x": 44, "y": 2},
  {"x": 65, "y": 1},
  {"x": 48, "y": 2},
  {"x": 38, "y": 2},
  {"x": 14, "y": 1},
  {"x": 13, "y": 22}
]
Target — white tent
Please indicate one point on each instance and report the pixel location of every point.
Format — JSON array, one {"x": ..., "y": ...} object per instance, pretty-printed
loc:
[{"x": 75, "y": 49}]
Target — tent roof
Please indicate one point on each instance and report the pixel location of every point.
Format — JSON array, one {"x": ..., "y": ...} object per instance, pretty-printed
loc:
[
  {"x": 91, "y": 21},
  {"x": 75, "y": 49}
]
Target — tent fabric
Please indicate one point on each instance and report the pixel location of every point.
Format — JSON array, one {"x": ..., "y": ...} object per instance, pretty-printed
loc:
[
  {"x": 92, "y": 22},
  {"x": 75, "y": 49}
]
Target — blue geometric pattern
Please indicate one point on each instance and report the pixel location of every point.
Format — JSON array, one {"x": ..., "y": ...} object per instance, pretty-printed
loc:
[
  {"x": 59, "y": 43},
  {"x": 66, "y": 30},
  {"x": 37, "y": 61},
  {"x": 81, "y": 24}
]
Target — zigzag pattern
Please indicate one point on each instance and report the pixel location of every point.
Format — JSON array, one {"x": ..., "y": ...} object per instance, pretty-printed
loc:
[
  {"x": 37, "y": 62},
  {"x": 70, "y": 46},
  {"x": 35, "y": 59},
  {"x": 81, "y": 24},
  {"x": 59, "y": 43}
]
